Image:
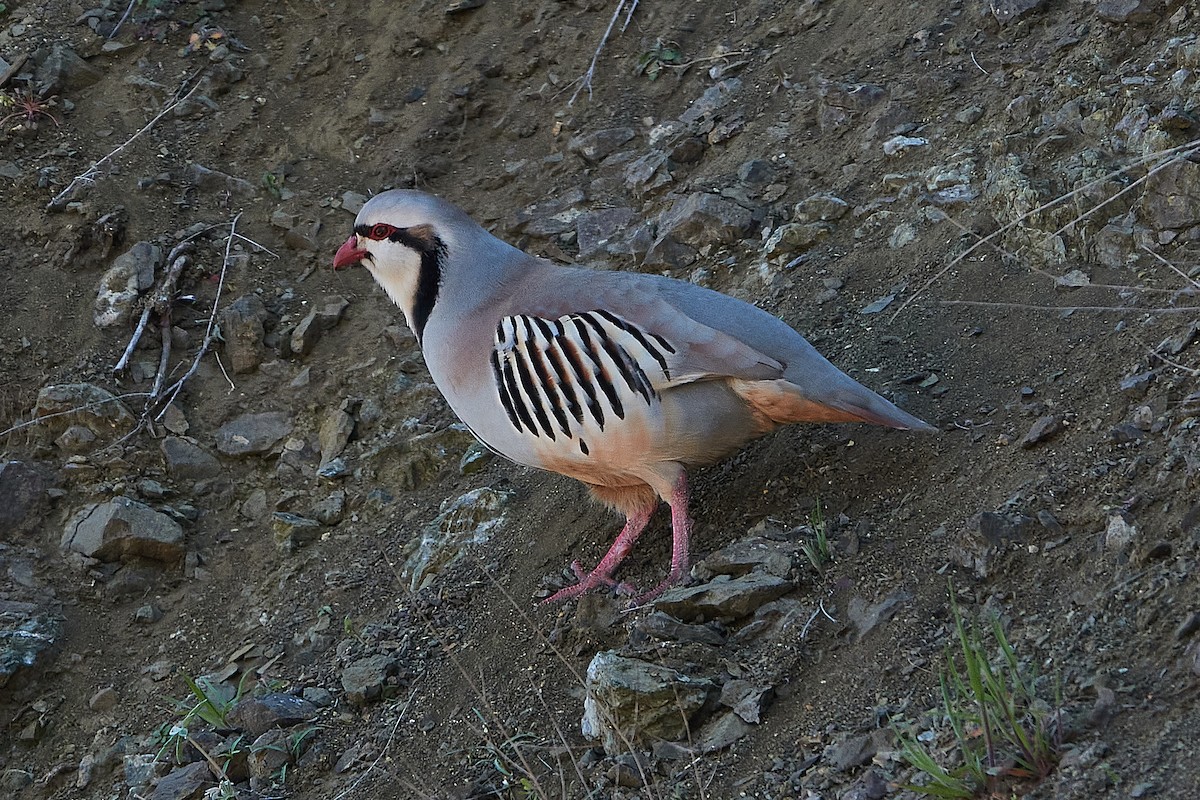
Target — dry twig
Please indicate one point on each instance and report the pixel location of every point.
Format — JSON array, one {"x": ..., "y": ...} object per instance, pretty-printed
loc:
[
  {"x": 209, "y": 333},
  {"x": 89, "y": 175},
  {"x": 585, "y": 81},
  {"x": 1160, "y": 160}
]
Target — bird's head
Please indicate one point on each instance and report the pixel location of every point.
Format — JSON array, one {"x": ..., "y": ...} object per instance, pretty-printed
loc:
[{"x": 403, "y": 237}]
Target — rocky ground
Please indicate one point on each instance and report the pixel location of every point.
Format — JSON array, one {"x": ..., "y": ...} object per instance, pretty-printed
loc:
[{"x": 259, "y": 558}]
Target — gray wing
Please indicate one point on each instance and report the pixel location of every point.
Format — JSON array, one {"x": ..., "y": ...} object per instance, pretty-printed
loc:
[{"x": 713, "y": 336}]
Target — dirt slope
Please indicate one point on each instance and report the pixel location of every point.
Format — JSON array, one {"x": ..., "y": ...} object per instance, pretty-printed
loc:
[{"x": 933, "y": 124}]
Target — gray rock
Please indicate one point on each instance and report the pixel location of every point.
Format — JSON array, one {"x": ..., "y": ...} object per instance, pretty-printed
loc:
[
  {"x": 131, "y": 273},
  {"x": 600, "y": 231},
  {"x": 969, "y": 115},
  {"x": 1006, "y": 11},
  {"x": 543, "y": 212},
  {"x": 60, "y": 69},
  {"x": 1135, "y": 12},
  {"x": 630, "y": 702},
  {"x": 757, "y": 172},
  {"x": 721, "y": 731},
  {"x": 303, "y": 236},
  {"x": 76, "y": 439},
  {"x": 122, "y": 528},
  {"x": 293, "y": 531},
  {"x": 795, "y": 237},
  {"x": 243, "y": 331},
  {"x": 27, "y": 636},
  {"x": 215, "y": 182},
  {"x": 187, "y": 460},
  {"x": 1119, "y": 534},
  {"x": 467, "y": 520},
  {"x": 723, "y": 597},
  {"x": 1043, "y": 429},
  {"x": 257, "y": 715},
  {"x": 105, "y": 699},
  {"x": 647, "y": 174},
  {"x": 858, "y": 750},
  {"x": 739, "y": 558},
  {"x": 866, "y": 617},
  {"x": 594, "y": 147},
  {"x": 255, "y": 506},
  {"x": 353, "y": 201},
  {"x": 335, "y": 432},
  {"x": 269, "y": 753},
  {"x": 820, "y": 208},
  {"x": 1172, "y": 196},
  {"x": 663, "y": 626},
  {"x": 714, "y": 99},
  {"x": 253, "y": 434},
  {"x": 746, "y": 699},
  {"x": 189, "y": 782},
  {"x": 701, "y": 218},
  {"x": 1136, "y": 385},
  {"x": 330, "y": 510},
  {"x": 370, "y": 679},
  {"x": 96, "y": 409},
  {"x": 23, "y": 498},
  {"x": 322, "y": 318}
]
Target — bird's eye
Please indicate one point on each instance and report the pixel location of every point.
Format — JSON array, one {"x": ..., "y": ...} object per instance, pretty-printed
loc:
[{"x": 380, "y": 231}]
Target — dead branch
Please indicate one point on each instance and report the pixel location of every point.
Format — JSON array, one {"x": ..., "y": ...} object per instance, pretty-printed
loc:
[
  {"x": 585, "y": 81},
  {"x": 164, "y": 401},
  {"x": 160, "y": 304},
  {"x": 1109, "y": 309},
  {"x": 90, "y": 175}
]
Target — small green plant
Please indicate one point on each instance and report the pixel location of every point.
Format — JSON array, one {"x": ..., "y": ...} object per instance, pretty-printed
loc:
[
  {"x": 213, "y": 702},
  {"x": 652, "y": 62},
  {"x": 816, "y": 547},
  {"x": 29, "y": 107},
  {"x": 508, "y": 759},
  {"x": 1003, "y": 732}
]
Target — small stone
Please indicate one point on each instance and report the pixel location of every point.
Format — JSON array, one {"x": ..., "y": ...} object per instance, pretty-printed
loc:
[
  {"x": 1006, "y": 11},
  {"x": 122, "y": 527},
  {"x": 898, "y": 144},
  {"x": 131, "y": 273},
  {"x": 369, "y": 679},
  {"x": 1119, "y": 534},
  {"x": 820, "y": 208},
  {"x": 1043, "y": 429},
  {"x": 701, "y": 218},
  {"x": 24, "y": 488},
  {"x": 331, "y": 510},
  {"x": 253, "y": 434},
  {"x": 257, "y": 715},
  {"x": 187, "y": 460},
  {"x": 633, "y": 702},
  {"x": 186, "y": 783},
  {"x": 593, "y": 147},
  {"x": 721, "y": 732},
  {"x": 969, "y": 115},
  {"x": 723, "y": 597},
  {"x": 215, "y": 182},
  {"x": 293, "y": 531},
  {"x": 334, "y": 434},
  {"x": 322, "y": 318},
  {"x": 147, "y": 614},
  {"x": 242, "y": 329},
  {"x": 104, "y": 700}
]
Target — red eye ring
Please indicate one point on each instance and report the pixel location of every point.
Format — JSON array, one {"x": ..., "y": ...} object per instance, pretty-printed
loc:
[{"x": 380, "y": 231}]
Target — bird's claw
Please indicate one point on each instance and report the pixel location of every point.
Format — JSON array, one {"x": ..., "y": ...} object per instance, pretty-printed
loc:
[{"x": 587, "y": 582}]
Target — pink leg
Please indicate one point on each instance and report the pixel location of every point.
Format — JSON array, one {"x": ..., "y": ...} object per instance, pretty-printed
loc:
[
  {"x": 681, "y": 529},
  {"x": 602, "y": 575}
]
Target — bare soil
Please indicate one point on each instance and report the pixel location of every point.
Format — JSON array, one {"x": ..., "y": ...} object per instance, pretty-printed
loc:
[{"x": 314, "y": 99}]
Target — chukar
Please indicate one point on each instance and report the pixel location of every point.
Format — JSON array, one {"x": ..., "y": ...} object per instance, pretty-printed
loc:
[{"x": 619, "y": 380}]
